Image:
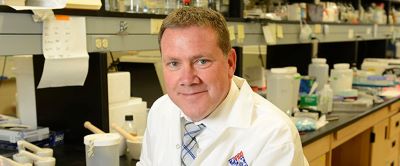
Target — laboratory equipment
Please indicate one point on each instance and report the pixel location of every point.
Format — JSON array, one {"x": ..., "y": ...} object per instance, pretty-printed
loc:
[
  {"x": 135, "y": 6},
  {"x": 95, "y": 130},
  {"x": 280, "y": 89},
  {"x": 102, "y": 149},
  {"x": 325, "y": 101},
  {"x": 341, "y": 77},
  {"x": 134, "y": 147},
  {"x": 38, "y": 160},
  {"x": 43, "y": 152},
  {"x": 129, "y": 125},
  {"x": 320, "y": 70},
  {"x": 296, "y": 85},
  {"x": 134, "y": 143},
  {"x": 9, "y": 162}
]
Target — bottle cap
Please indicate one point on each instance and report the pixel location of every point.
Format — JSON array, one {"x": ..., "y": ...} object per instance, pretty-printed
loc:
[
  {"x": 128, "y": 117},
  {"x": 341, "y": 66},
  {"x": 318, "y": 60},
  {"x": 291, "y": 69},
  {"x": 278, "y": 70}
]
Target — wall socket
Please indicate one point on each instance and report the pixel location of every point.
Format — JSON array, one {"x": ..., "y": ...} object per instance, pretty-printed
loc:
[{"x": 101, "y": 43}]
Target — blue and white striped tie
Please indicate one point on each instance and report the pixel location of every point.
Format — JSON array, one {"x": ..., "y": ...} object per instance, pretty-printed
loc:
[{"x": 189, "y": 142}]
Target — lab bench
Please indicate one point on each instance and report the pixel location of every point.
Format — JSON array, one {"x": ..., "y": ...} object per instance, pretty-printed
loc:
[{"x": 367, "y": 137}]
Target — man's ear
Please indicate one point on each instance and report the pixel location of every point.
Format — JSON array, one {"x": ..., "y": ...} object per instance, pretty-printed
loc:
[{"x": 231, "y": 62}]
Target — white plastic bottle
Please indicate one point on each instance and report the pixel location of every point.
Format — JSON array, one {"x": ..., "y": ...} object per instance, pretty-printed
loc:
[
  {"x": 280, "y": 89},
  {"x": 320, "y": 70},
  {"x": 296, "y": 85},
  {"x": 129, "y": 125},
  {"x": 325, "y": 102},
  {"x": 341, "y": 77}
]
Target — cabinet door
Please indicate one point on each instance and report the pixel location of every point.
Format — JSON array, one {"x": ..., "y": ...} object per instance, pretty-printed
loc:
[{"x": 379, "y": 145}]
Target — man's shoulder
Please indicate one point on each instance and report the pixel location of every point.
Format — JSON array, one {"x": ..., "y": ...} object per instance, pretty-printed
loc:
[
  {"x": 268, "y": 114},
  {"x": 162, "y": 105},
  {"x": 162, "y": 101}
]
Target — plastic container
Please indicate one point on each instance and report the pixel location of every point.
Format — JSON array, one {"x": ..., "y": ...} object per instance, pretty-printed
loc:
[
  {"x": 280, "y": 89},
  {"x": 325, "y": 102},
  {"x": 320, "y": 70},
  {"x": 296, "y": 77},
  {"x": 102, "y": 149},
  {"x": 294, "y": 12},
  {"x": 341, "y": 78},
  {"x": 135, "y": 147}
]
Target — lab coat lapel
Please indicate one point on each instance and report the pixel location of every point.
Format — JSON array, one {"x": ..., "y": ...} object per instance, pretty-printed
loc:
[
  {"x": 175, "y": 138},
  {"x": 242, "y": 109}
]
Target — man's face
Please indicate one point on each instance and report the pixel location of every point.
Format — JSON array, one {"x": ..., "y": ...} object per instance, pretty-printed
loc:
[{"x": 197, "y": 74}]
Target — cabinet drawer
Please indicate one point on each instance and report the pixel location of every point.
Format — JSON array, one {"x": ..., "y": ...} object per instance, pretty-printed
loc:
[
  {"x": 318, "y": 148},
  {"x": 394, "y": 127},
  {"x": 392, "y": 160},
  {"x": 393, "y": 144},
  {"x": 395, "y": 107},
  {"x": 359, "y": 126},
  {"x": 320, "y": 161}
]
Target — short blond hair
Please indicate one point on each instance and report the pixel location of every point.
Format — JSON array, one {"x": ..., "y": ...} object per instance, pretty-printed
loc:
[{"x": 197, "y": 16}]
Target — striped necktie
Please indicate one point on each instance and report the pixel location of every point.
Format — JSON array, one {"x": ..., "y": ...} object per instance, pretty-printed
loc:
[{"x": 189, "y": 142}]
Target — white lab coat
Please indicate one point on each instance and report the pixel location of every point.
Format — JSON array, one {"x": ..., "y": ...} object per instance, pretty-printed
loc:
[{"x": 255, "y": 127}]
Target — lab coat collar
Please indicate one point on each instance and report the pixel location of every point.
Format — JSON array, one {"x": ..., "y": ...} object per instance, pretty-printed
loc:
[
  {"x": 231, "y": 113},
  {"x": 242, "y": 113}
]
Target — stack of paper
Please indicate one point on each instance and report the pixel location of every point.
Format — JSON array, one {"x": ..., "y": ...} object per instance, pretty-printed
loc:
[{"x": 84, "y": 4}]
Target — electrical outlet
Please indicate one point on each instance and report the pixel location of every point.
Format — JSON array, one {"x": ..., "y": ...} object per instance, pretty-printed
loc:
[
  {"x": 98, "y": 43},
  {"x": 104, "y": 43}
]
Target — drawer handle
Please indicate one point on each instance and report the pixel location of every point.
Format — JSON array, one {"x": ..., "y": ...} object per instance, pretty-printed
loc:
[
  {"x": 393, "y": 144},
  {"x": 397, "y": 123}
]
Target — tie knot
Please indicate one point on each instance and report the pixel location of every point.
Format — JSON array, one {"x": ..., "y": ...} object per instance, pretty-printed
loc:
[{"x": 192, "y": 129}]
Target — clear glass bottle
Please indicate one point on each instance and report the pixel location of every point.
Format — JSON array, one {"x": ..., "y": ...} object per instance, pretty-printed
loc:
[
  {"x": 134, "y": 6},
  {"x": 129, "y": 125}
]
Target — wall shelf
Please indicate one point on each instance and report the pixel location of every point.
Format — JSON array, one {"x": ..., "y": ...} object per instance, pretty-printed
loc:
[{"x": 20, "y": 35}]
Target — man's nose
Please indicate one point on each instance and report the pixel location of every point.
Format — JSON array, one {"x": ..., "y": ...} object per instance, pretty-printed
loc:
[{"x": 189, "y": 75}]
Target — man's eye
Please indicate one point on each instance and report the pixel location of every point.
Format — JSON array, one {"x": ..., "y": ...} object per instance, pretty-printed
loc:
[
  {"x": 203, "y": 61},
  {"x": 173, "y": 65}
]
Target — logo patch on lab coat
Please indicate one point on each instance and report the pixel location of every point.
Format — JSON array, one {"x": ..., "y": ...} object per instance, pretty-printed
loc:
[{"x": 238, "y": 160}]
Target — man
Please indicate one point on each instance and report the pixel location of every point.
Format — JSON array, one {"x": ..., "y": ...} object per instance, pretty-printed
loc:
[{"x": 231, "y": 124}]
